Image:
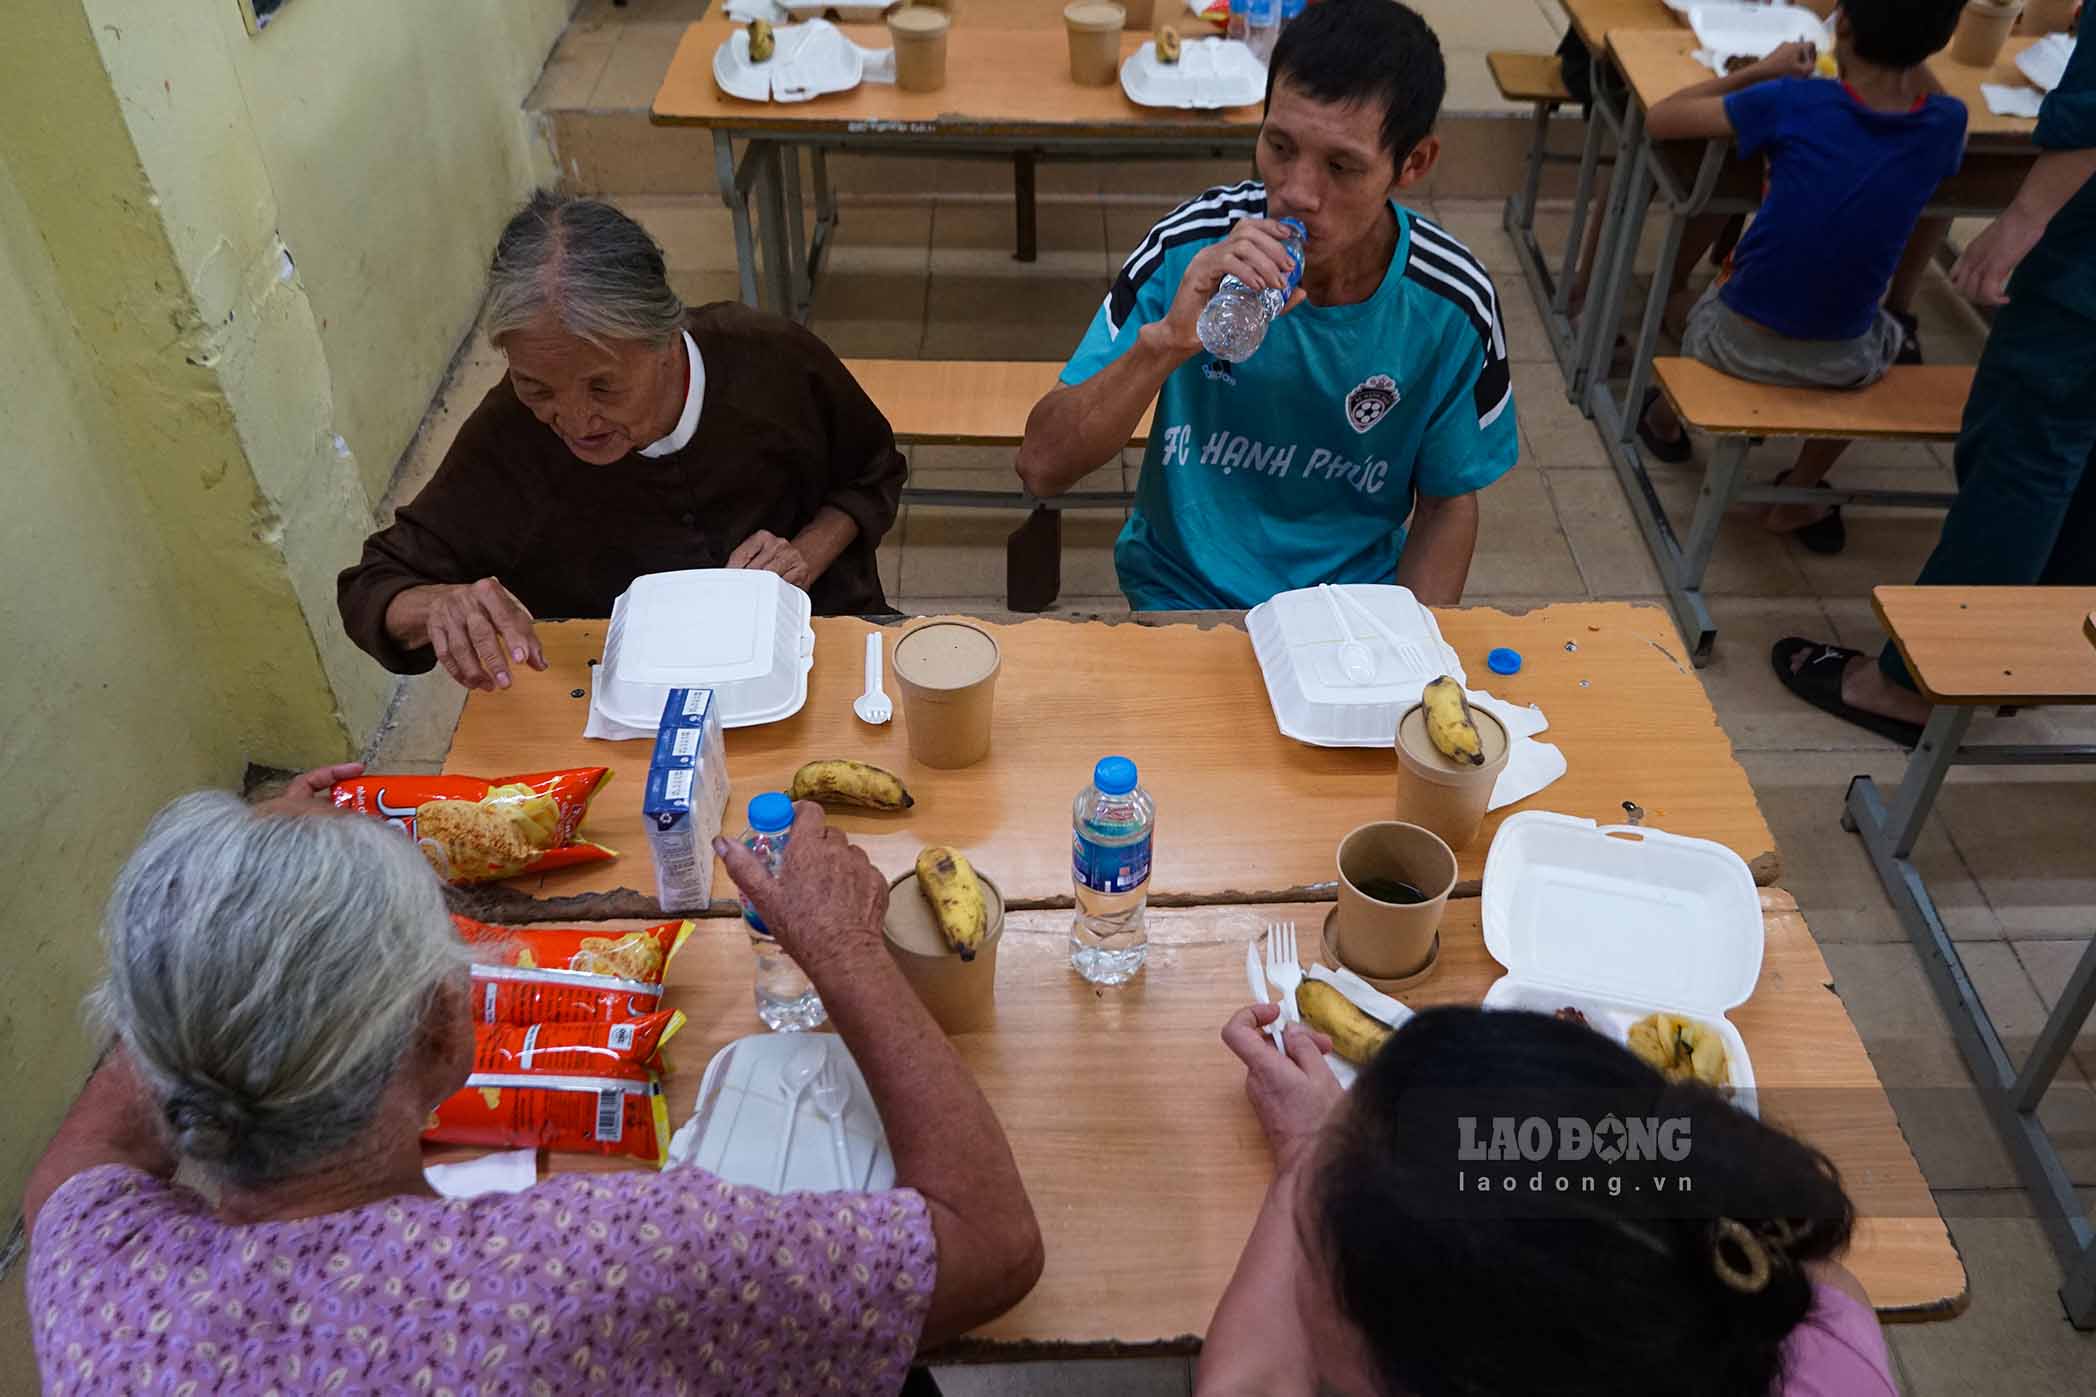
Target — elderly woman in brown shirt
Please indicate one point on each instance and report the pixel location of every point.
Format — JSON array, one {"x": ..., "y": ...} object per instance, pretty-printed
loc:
[{"x": 631, "y": 435}]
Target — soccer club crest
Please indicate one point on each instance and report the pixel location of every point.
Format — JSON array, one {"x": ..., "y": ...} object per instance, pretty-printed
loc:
[{"x": 1370, "y": 399}]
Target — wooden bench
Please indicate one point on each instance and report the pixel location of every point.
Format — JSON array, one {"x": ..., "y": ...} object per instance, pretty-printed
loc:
[
  {"x": 1972, "y": 648},
  {"x": 951, "y": 402},
  {"x": 1911, "y": 403}
]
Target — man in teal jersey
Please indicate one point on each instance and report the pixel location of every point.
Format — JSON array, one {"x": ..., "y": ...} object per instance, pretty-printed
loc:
[{"x": 1351, "y": 446}]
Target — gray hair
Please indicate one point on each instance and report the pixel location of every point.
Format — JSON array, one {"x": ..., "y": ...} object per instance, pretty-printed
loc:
[
  {"x": 588, "y": 265},
  {"x": 270, "y": 974}
]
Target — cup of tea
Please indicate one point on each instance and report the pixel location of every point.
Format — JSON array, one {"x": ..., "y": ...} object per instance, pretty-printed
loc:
[
  {"x": 1394, "y": 881},
  {"x": 1438, "y": 792},
  {"x": 1095, "y": 42},
  {"x": 961, "y": 994},
  {"x": 947, "y": 671},
  {"x": 918, "y": 33},
  {"x": 1983, "y": 31}
]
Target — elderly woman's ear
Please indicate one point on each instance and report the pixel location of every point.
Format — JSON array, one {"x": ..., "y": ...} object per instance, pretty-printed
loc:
[{"x": 443, "y": 1057}]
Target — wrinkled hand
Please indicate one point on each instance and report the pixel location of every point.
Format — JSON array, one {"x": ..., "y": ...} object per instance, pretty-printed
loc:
[
  {"x": 1292, "y": 1095},
  {"x": 1983, "y": 271},
  {"x": 1792, "y": 60},
  {"x": 308, "y": 792},
  {"x": 767, "y": 552},
  {"x": 829, "y": 900},
  {"x": 1255, "y": 253},
  {"x": 479, "y": 630}
]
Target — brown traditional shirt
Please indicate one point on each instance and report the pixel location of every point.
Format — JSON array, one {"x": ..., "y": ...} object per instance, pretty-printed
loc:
[{"x": 783, "y": 430}]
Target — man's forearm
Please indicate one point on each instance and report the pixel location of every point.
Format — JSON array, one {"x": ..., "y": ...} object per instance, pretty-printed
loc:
[
  {"x": 1074, "y": 431},
  {"x": 1255, "y": 1343},
  {"x": 828, "y": 534},
  {"x": 2054, "y": 178},
  {"x": 1438, "y": 549}
]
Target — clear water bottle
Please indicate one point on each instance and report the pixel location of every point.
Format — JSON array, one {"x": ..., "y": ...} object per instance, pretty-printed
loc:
[
  {"x": 1234, "y": 322},
  {"x": 1237, "y": 26},
  {"x": 786, "y": 1002},
  {"x": 1112, "y": 822},
  {"x": 1262, "y": 29}
]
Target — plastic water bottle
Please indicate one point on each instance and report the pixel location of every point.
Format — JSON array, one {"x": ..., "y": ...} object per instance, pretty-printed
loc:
[
  {"x": 786, "y": 1002},
  {"x": 1112, "y": 822},
  {"x": 1234, "y": 322},
  {"x": 1262, "y": 29},
  {"x": 1237, "y": 26}
]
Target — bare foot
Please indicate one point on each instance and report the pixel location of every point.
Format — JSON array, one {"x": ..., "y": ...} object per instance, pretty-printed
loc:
[
  {"x": 1864, "y": 686},
  {"x": 1789, "y": 518}
]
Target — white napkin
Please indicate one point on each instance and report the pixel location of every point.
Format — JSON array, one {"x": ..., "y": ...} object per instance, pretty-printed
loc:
[
  {"x": 609, "y": 730},
  {"x": 743, "y": 11},
  {"x": 876, "y": 65},
  {"x": 507, "y": 1171},
  {"x": 2003, "y": 100},
  {"x": 1531, "y": 765}
]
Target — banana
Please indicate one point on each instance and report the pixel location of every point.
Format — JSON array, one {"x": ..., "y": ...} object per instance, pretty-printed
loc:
[
  {"x": 1355, "y": 1034},
  {"x": 1448, "y": 722},
  {"x": 1167, "y": 45},
  {"x": 839, "y": 781},
  {"x": 949, "y": 884},
  {"x": 761, "y": 41},
  {"x": 1682, "y": 1049}
]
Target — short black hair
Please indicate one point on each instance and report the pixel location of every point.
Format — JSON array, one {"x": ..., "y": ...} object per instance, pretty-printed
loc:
[
  {"x": 1366, "y": 51},
  {"x": 1562, "y": 1289},
  {"x": 1900, "y": 33}
]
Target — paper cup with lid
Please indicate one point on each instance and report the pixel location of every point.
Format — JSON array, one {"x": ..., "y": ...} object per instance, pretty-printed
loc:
[
  {"x": 1442, "y": 794},
  {"x": 919, "y": 35},
  {"x": 1983, "y": 31},
  {"x": 947, "y": 671},
  {"x": 961, "y": 994},
  {"x": 1095, "y": 42}
]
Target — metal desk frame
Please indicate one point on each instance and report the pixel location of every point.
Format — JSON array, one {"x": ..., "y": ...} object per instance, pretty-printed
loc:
[{"x": 2011, "y": 1097}]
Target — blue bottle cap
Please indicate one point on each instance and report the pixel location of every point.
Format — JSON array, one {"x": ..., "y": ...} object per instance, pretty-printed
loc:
[
  {"x": 1114, "y": 775},
  {"x": 1504, "y": 661},
  {"x": 771, "y": 812}
]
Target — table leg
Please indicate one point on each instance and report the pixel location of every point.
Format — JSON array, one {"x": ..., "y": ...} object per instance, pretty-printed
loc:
[
  {"x": 1582, "y": 197},
  {"x": 800, "y": 278},
  {"x": 1648, "y": 329},
  {"x": 1623, "y": 223},
  {"x": 1931, "y": 762},
  {"x": 1024, "y": 203},
  {"x": 1521, "y": 207},
  {"x": 771, "y": 203},
  {"x": 1033, "y": 561},
  {"x": 727, "y": 180}
]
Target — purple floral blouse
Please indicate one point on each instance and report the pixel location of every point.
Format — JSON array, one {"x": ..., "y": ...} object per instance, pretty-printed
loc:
[{"x": 627, "y": 1283}]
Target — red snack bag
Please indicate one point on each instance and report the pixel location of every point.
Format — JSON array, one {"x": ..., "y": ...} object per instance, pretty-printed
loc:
[
  {"x": 589, "y": 1088},
  {"x": 569, "y": 974},
  {"x": 477, "y": 831}
]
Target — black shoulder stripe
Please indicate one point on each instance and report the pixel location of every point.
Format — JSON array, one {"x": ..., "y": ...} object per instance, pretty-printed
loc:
[
  {"x": 1198, "y": 219},
  {"x": 1442, "y": 265}
]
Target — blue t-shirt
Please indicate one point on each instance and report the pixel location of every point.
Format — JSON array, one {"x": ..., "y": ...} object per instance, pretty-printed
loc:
[
  {"x": 1845, "y": 187},
  {"x": 1299, "y": 465}
]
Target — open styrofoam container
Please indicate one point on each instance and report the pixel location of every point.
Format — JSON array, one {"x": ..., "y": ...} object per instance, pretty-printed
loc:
[
  {"x": 1619, "y": 921},
  {"x": 1297, "y": 642},
  {"x": 1755, "y": 31},
  {"x": 1211, "y": 74},
  {"x": 808, "y": 60},
  {"x": 740, "y": 632},
  {"x": 2045, "y": 62},
  {"x": 740, "y": 1116}
]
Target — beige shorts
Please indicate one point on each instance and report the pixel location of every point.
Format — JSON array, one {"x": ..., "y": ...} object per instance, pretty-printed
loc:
[{"x": 1721, "y": 337}]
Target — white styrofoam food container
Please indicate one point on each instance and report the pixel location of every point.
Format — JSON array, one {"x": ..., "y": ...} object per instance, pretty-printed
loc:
[
  {"x": 742, "y": 633},
  {"x": 2045, "y": 62},
  {"x": 735, "y": 1127},
  {"x": 1754, "y": 30},
  {"x": 1210, "y": 74},
  {"x": 1619, "y": 922},
  {"x": 807, "y": 61},
  {"x": 1297, "y": 642}
]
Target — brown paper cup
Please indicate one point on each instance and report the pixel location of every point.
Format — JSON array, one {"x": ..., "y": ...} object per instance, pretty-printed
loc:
[
  {"x": 1336, "y": 958},
  {"x": 947, "y": 671},
  {"x": 1138, "y": 14},
  {"x": 1095, "y": 42},
  {"x": 2042, "y": 17},
  {"x": 919, "y": 35},
  {"x": 1385, "y": 940},
  {"x": 1447, "y": 797},
  {"x": 961, "y": 994},
  {"x": 1982, "y": 31}
]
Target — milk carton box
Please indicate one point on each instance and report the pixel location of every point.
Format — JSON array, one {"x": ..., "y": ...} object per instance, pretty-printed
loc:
[{"x": 686, "y": 798}]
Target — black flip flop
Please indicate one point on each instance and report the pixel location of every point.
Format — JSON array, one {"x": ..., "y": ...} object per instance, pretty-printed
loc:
[
  {"x": 1677, "y": 452},
  {"x": 1818, "y": 682},
  {"x": 1826, "y": 536}
]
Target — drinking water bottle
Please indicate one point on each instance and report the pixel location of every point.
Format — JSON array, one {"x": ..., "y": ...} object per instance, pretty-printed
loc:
[
  {"x": 786, "y": 1002},
  {"x": 1113, "y": 820},
  {"x": 1263, "y": 28},
  {"x": 1234, "y": 322}
]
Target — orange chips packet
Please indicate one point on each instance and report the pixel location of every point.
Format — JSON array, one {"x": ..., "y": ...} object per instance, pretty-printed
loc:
[
  {"x": 477, "y": 831},
  {"x": 589, "y": 1088},
  {"x": 569, "y": 974}
]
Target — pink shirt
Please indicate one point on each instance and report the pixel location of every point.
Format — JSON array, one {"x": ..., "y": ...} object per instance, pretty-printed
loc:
[
  {"x": 628, "y": 1283},
  {"x": 1838, "y": 1351}
]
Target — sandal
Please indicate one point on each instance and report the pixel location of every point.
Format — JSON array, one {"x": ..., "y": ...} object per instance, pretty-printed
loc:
[
  {"x": 1826, "y": 536},
  {"x": 1677, "y": 452},
  {"x": 1818, "y": 681}
]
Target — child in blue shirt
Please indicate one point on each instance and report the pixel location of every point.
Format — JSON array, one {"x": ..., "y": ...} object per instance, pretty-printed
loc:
[
  {"x": 1349, "y": 448},
  {"x": 1851, "y": 165}
]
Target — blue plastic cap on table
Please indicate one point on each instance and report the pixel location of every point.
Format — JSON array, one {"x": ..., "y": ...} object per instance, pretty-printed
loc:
[
  {"x": 1114, "y": 775},
  {"x": 1504, "y": 661}
]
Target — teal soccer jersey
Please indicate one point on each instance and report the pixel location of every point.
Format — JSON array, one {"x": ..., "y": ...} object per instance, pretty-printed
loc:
[{"x": 1300, "y": 465}]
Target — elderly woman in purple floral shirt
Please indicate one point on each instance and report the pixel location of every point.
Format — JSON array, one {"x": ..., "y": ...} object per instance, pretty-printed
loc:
[{"x": 289, "y": 1001}]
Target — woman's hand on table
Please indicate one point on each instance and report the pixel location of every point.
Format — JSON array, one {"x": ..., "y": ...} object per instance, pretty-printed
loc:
[
  {"x": 829, "y": 901},
  {"x": 1292, "y": 1094},
  {"x": 764, "y": 551},
  {"x": 310, "y": 792},
  {"x": 478, "y": 629}
]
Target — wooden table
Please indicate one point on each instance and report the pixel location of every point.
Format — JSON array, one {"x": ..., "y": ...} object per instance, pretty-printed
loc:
[
  {"x": 1008, "y": 92},
  {"x": 1244, "y": 813},
  {"x": 1992, "y": 645},
  {"x": 1593, "y": 20},
  {"x": 1147, "y": 1177}
]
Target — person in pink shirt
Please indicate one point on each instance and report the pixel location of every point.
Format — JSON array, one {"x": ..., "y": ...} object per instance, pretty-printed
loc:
[
  {"x": 289, "y": 1000},
  {"x": 1510, "y": 1204}
]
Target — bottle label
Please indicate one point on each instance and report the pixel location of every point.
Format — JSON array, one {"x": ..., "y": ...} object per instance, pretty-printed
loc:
[{"x": 1110, "y": 868}]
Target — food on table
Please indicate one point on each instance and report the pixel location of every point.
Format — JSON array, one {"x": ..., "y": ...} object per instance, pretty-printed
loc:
[
  {"x": 590, "y": 1088},
  {"x": 761, "y": 41},
  {"x": 474, "y": 830},
  {"x": 1167, "y": 45},
  {"x": 1448, "y": 723},
  {"x": 1355, "y": 1034},
  {"x": 1572, "y": 1015},
  {"x": 1682, "y": 1048},
  {"x": 568, "y": 974},
  {"x": 958, "y": 904},
  {"x": 840, "y": 781}
]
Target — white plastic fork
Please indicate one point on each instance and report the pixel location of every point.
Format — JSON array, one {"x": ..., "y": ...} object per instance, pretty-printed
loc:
[
  {"x": 1283, "y": 971},
  {"x": 873, "y": 705}
]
